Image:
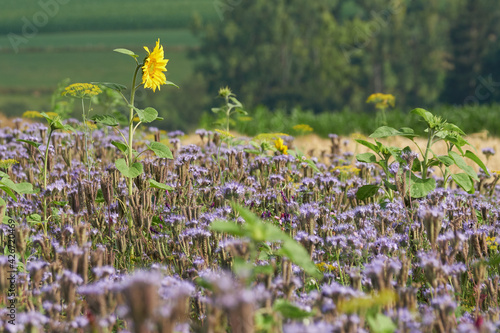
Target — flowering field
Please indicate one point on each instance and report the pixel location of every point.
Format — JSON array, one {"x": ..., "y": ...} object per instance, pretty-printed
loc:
[{"x": 112, "y": 227}]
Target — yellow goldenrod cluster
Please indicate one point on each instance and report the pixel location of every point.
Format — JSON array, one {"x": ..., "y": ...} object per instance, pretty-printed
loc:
[
  {"x": 81, "y": 90},
  {"x": 324, "y": 267},
  {"x": 51, "y": 114},
  {"x": 492, "y": 243},
  {"x": 303, "y": 128},
  {"x": 282, "y": 148},
  {"x": 4, "y": 164},
  {"x": 268, "y": 136},
  {"x": 224, "y": 134},
  {"x": 347, "y": 169},
  {"x": 359, "y": 136},
  {"x": 91, "y": 125},
  {"x": 245, "y": 118},
  {"x": 382, "y": 101},
  {"x": 32, "y": 114}
]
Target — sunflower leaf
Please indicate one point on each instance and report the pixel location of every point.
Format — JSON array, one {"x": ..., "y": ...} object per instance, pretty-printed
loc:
[
  {"x": 105, "y": 120},
  {"x": 154, "y": 184},
  {"x": 31, "y": 143},
  {"x": 130, "y": 172},
  {"x": 147, "y": 115},
  {"x": 111, "y": 85},
  {"x": 126, "y": 51},
  {"x": 168, "y": 83},
  {"x": 160, "y": 150}
]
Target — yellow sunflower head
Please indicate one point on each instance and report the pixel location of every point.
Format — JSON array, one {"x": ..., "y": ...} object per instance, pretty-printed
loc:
[{"x": 154, "y": 66}]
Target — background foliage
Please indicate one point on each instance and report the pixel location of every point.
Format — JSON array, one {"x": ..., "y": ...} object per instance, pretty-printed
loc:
[{"x": 321, "y": 55}]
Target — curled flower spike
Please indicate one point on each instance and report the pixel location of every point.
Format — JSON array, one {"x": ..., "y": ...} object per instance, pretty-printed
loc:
[{"x": 154, "y": 66}]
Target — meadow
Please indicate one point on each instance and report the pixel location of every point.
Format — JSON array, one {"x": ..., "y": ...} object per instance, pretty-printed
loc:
[
  {"x": 266, "y": 222},
  {"x": 240, "y": 234}
]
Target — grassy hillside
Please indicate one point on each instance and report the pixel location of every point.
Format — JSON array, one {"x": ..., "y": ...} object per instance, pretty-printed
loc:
[
  {"x": 78, "y": 41},
  {"x": 106, "y": 14}
]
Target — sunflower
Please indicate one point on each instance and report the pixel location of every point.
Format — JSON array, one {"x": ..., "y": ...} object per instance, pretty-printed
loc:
[{"x": 154, "y": 66}]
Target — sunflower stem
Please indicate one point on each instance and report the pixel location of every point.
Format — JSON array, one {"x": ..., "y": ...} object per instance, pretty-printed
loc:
[{"x": 131, "y": 127}]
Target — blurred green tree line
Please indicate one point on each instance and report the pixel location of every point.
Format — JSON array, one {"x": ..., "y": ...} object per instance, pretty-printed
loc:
[{"x": 331, "y": 54}]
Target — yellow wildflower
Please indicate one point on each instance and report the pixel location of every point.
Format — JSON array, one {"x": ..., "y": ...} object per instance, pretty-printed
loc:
[
  {"x": 51, "y": 114},
  {"x": 5, "y": 164},
  {"x": 136, "y": 119},
  {"x": 324, "y": 267},
  {"x": 282, "y": 148},
  {"x": 382, "y": 101},
  {"x": 32, "y": 114},
  {"x": 154, "y": 66},
  {"x": 268, "y": 136},
  {"x": 81, "y": 90},
  {"x": 302, "y": 128},
  {"x": 224, "y": 134},
  {"x": 491, "y": 242},
  {"x": 91, "y": 125}
]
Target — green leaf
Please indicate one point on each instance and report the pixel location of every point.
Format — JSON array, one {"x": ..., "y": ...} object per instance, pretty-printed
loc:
[
  {"x": 419, "y": 187},
  {"x": 381, "y": 324},
  {"x": 453, "y": 129},
  {"x": 366, "y": 158},
  {"x": 31, "y": 143},
  {"x": 446, "y": 160},
  {"x": 289, "y": 310},
  {"x": 384, "y": 132},
  {"x": 299, "y": 256},
  {"x": 478, "y": 161},
  {"x": 426, "y": 115},
  {"x": 130, "y": 172},
  {"x": 105, "y": 120},
  {"x": 34, "y": 218},
  {"x": 264, "y": 269},
  {"x": 147, "y": 115},
  {"x": 390, "y": 185},
  {"x": 126, "y": 52},
  {"x": 312, "y": 165},
  {"x": 230, "y": 228},
  {"x": 216, "y": 110},
  {"x": 160, "y": 150},
  {"x": 460, "y": 162},
  {"x": 154, "y": 184},
  {"x": 20, "y": 188},
  {"x": 115, "y": 86},
  {"x": 168, "y": 83},
  {"x": 464, "y": 181},
  {"x": 24, "y": 188},
  {"x": 8, "y": 190},
  {"x": 367, "y": 191},
  {"x": 369, "y": 145},
  {"x": 120, "y": 145},
  {"x": 407, "y": 132}
]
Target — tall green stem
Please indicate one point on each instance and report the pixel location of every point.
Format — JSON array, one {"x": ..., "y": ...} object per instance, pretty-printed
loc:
[
  {"x": 45, "y": 162},
  {"x": 426, "y": 156},
  {"x": 131, "y": 128}
]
